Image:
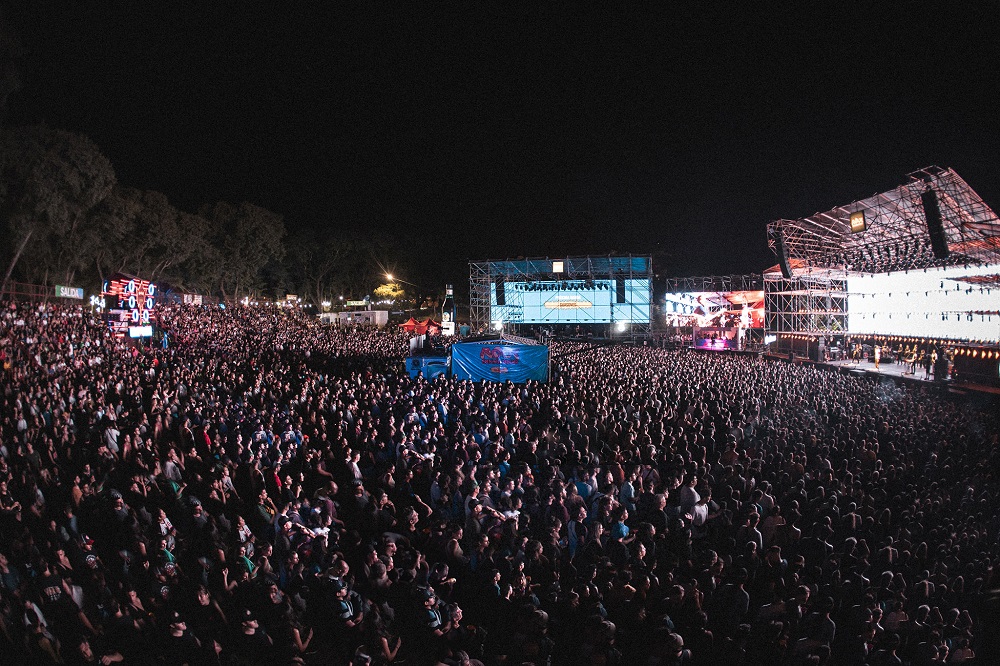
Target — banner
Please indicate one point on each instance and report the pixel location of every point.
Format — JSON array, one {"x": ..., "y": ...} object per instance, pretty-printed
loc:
[
  {"x": 69, "y": 292},
  {"x": 497, "y": 362}
]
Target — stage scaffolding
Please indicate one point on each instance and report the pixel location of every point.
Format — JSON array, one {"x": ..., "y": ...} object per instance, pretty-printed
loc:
[
  {"x": 890, "y": 233},
  {"x": 814, "y": 304},
  {"x": 588, "y": 272},
  {"x": 896, "y": 237},
  {"x": 752, "y": 282}
]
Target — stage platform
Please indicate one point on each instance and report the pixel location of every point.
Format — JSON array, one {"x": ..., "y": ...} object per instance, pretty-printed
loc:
[
  {"x": 885, "y": 369},
  {"x": 901, "y": 372}
]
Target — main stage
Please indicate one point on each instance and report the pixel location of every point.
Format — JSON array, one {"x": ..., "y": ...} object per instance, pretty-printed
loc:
[{"x": 900, "y": 372}]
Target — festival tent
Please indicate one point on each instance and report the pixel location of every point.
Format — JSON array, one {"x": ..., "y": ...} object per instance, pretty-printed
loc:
[
  {"x": 421, "y": 327},
  {"x": 410, "y": 325}
]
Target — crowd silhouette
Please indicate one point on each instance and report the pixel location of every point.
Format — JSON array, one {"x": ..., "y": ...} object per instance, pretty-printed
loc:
[{"x": 265, "y": 490}]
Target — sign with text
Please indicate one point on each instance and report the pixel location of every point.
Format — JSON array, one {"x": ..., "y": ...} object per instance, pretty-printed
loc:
[{"x": 69, "y": 292}]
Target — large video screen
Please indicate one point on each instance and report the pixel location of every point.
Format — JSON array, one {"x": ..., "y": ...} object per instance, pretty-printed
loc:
[
  {"x": 722, "y": 309},
  {"x": 956, "y": 303},
  {"x": 571, "y": 302},
  {"x": 130, "y": 302}
]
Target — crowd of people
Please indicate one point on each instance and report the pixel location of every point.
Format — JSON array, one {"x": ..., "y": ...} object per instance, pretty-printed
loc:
[{"x": 264, "y": 490}]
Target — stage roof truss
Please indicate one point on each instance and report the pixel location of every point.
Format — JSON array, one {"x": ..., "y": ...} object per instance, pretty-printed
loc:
[
  {"x": 897, "y": 237},
  {"x": 751, "y": 282}
]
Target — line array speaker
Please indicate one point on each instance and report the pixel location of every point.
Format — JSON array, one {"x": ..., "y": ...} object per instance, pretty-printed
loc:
[
  {"x": 782, "y": 251},
  {"x": 935, "y": 227}
]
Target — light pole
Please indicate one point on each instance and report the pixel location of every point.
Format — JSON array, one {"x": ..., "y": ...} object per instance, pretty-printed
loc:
[{"x": 391, "y": 278}]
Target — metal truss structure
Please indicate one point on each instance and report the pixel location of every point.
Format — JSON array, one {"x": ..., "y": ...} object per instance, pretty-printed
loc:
[
  {"x": 752, "y": 282},
  {"x": 896, "y": 237},
  {"x": 813, "y": 304},
  {"x": 890, "y": 233},
  {"x": 545, "y": 273}
]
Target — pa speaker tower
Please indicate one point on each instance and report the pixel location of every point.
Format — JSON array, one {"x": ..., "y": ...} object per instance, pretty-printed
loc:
[
  {"x": 619, "y": 290},
  {"x": 782, "y": 251},
  {"x": 935, "y": 227},
  {"x": 501, "y": 297}
]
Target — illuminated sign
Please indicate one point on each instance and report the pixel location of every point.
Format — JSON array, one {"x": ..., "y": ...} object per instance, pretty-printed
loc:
[
  {"x": 356, "y": 303},
  {"x": 140, "y": 331},
  {"x": 858, "y": 222},
  {"x": 69, "y": 292}
]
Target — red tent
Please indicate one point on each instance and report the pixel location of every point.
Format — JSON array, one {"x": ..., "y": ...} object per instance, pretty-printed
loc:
[
  {"x": 411, "y": 325},
  {"x": 432, "y": 327}
]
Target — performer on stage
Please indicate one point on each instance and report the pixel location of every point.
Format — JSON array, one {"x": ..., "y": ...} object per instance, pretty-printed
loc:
[
  {"x": 877, "y": 354},
  {"x": 745, "y": 317}
]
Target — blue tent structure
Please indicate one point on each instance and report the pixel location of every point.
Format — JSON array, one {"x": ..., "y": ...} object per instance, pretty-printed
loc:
[{"x": 432, "y": 367}]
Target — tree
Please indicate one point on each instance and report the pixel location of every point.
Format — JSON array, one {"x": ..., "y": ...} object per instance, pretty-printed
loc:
[
  {"x": 248, "y": 237},
  {"x": 140, "y": 232},
  {"x": 389, "y": 291},
  {"x": 323, "y": 264},
  {"x": 49, "y": 180}
]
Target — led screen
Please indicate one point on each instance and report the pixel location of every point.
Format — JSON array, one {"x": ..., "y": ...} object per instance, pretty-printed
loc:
[
  {"x": 131, "y": 302},
  {"x": 723, "y": 309},
  {"x": 571, "y": 302},
  {"x": 956, "y": 303}
]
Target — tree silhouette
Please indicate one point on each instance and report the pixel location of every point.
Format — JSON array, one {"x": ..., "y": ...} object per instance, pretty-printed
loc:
[{"x": 49, "y": 181}]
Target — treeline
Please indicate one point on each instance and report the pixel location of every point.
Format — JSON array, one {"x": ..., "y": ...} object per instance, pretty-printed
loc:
[{"x": 67, "y": 220}]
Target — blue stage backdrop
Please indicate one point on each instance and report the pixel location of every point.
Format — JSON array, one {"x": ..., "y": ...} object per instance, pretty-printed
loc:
[{"x": 496, "y": 362}]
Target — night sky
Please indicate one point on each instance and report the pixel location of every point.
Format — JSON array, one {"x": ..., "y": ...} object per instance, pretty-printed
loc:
[{"x": 509, "y": 129}]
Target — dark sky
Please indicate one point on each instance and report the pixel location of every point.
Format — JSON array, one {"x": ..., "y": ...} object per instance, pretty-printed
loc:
[{"x": 506, "y": 129}]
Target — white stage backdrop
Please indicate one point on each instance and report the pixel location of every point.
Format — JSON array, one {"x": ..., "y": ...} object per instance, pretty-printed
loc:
[{"x": 955, "y": 302}]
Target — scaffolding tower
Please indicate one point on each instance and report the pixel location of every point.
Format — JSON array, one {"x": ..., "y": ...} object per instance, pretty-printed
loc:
[{"x": 812, "y": 304}]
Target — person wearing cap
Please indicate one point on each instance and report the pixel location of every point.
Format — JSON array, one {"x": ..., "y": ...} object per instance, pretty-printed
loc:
[
  {"x": 180, "y": 646},
  {"x": 434, "y": 620},
  {"x": 348, "y": 606},
  {"x": 250, "y": 643}
]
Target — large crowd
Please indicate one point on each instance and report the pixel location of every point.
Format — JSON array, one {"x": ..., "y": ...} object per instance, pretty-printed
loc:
[{"x": 263, "y": 490}]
